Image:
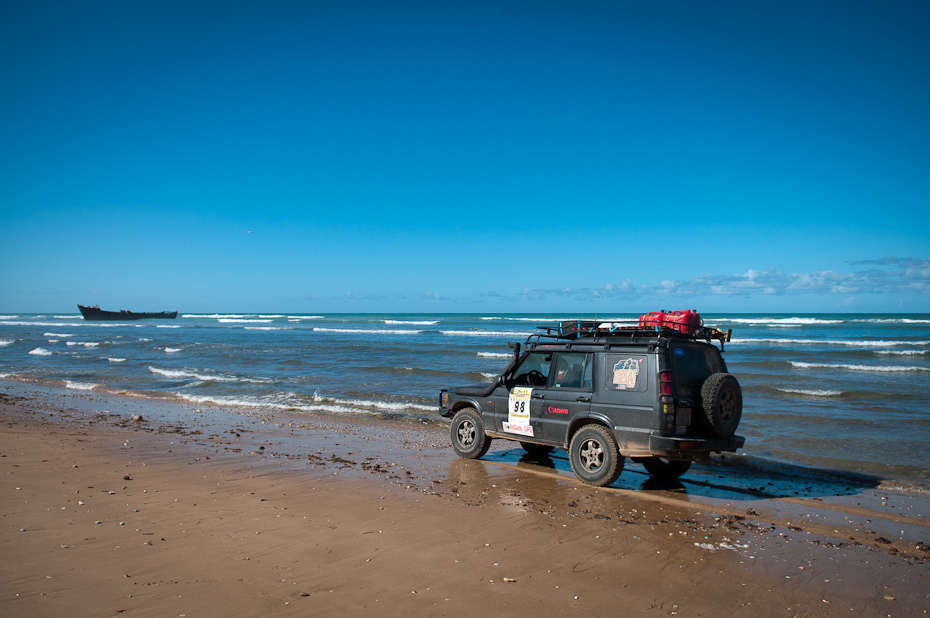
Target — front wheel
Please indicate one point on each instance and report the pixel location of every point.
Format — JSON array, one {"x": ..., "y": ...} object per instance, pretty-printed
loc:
[
  {"x": 665, "y": 469},
  {"x": 594, "y": 456},
  {"x": 468, "y": 437}
]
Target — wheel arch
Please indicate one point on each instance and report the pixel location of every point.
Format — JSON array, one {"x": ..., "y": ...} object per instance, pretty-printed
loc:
[{"x": 590, "y": 419}]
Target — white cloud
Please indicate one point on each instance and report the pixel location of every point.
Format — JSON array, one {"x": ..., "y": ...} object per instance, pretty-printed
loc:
[{"x": 888, "y": 275}]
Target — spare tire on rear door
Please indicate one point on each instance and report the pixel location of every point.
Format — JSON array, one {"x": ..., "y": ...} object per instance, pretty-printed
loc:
[{"x": 722, "y": 400}]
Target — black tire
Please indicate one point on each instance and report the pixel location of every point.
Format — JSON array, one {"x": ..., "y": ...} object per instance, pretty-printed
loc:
[
  {"x": 594, "y": 456},
  {"x": 537, "y": 450},
  {"x": 665, "y": 469},
  {"x": 722, "y": 401},
  {"x": 468, "y": 437}
]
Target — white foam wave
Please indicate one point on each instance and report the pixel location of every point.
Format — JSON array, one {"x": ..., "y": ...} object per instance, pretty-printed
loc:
[
  {"x": 63, "y": 335},
  {"x": 40, "y": 352},
  {"x": 861, "y": 343},
  {"x": 494, "y": 355},
  {"x": 244, "y": 320},
  {"x": 903, "y": 352},
  {"x": 86, "y": 344},
  {"x": 812, "y": 393},
  {"x": 776, "y": 321},
  {"x": 878, "y": 368},
  {"x": 379, "y": 405},
  {"x": 539, "y": 320},
  {"x": 893, "y": 321},
  {"x": 366, "y": 331},
  {"x": 413, "y": 322},
  {"x": 183, "y": 375},
  {"x": 79, "y": 386},
  {"x": 5, "y": 342},
  {"x": 167, "y": 326},
  {"x": 295, "y": 318},
  {"x": 483, "y": 333},
  {"x": 214, "y": 315},
  {"x": 485, "y": 374},
  {"x": 172, "y": 350},
  {"x": 266, "y": 328},
  {"x": 18, "y": 323},
  {"x": 8, "y": 317},
  {"x": 116, "y": 360}
]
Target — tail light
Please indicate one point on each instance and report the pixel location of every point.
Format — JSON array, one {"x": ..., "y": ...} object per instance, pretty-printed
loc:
[{"x": 666, "y": 388}]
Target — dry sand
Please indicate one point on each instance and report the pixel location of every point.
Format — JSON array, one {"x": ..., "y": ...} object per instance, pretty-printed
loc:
[{"x": 193, "y": 512}]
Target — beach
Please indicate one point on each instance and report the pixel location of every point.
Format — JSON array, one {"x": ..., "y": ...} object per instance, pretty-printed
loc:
[{"x": 184, "y": 513}]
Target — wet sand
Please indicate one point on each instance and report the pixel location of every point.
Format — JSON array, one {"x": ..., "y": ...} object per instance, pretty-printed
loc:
[{"x": 194, "y": 511}]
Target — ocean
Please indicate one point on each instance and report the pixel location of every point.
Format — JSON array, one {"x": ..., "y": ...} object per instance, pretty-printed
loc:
[{"x": 845, "y": 392}]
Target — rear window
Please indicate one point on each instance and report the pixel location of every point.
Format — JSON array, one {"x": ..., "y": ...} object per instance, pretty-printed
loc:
[{"x": 694, "y": 364}]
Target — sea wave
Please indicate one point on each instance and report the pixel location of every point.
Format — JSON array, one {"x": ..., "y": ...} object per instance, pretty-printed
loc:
[
  {"x": 165, "y": 325},
  {"x": 494, "y": 355},
  {"x": 892, "y": 321},
  {"x": 367, "y": 403},
  {"x": 244, "y": 320},
  {"x": 182, "y": 375},
  {"x": 366, "y": 331},
  {"x": 80, "y": 386},
  {"x": 5, "y": 342},
  {"x": 86, "y": 344},
  {"x": 215, "y": 315},
  {"x": 775, "y": 321},
  {"x": 18, "y": 323},
  {"x": 812, "y": 393},
  {"x": 294, "y": 318},
  {"x": 116, "y": 360},
  {"x": 538, "y": 320},
  {"x": 266, "y": 328},
  {"x": 483, "y": 333},
  {"x": 878, "y": 368},
  {"x": 863, "y": 343},
  {"x": 172, "y": 350},
  {"x": 413, "y": 322},
  {"x": 903, "y": 352},
  {"x": 63, "y": 335},
  {"x": 40, "y": 352}
]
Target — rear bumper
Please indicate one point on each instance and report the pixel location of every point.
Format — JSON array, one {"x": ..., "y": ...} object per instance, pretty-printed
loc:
[{"x": 668, "y": 445}]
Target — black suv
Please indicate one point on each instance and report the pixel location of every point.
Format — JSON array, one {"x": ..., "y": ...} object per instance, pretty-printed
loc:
[{"x": 605, "y": 392}]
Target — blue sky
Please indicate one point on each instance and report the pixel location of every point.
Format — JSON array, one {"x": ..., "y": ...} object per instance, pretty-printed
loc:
[{"x": 465, "y": 156}]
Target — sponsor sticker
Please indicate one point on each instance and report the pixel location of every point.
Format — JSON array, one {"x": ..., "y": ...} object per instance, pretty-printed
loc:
[{"x": 518, "y": 411}]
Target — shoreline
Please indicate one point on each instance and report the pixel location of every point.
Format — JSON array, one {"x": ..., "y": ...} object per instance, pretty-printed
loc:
[{"x": 384, "y": 515}]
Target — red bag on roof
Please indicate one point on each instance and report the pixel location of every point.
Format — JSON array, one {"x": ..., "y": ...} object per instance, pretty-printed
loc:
[{"x": 686, "y": 321}]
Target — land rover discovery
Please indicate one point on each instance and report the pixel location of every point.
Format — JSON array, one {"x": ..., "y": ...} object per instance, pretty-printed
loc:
[{"x": 658, "y": 393}]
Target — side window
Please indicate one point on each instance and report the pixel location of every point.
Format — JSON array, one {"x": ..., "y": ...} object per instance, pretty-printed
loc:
[
  {"x": 573, "y": 370},
  {"x": 533, "y": 371}
]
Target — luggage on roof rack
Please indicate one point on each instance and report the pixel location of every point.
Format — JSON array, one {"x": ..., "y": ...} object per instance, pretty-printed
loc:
[{"x": 686, "y": 324}]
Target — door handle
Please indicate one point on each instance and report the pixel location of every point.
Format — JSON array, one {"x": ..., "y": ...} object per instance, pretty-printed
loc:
[
  {"x": 538, "y": 396},
  {"x": 584, "y": 399}
]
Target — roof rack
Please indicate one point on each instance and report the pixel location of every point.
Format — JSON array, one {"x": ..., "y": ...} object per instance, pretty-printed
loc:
[{"x": 576, "y": 329}]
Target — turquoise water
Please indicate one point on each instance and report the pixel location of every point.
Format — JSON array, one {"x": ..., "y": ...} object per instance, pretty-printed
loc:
[{"x": 840, "y": 391}]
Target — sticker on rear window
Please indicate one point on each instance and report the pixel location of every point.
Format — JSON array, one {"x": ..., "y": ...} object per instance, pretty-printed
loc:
[{"x": 625, "y": 373}]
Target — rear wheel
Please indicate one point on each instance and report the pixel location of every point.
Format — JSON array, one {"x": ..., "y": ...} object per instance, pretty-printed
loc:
[
  {"x": 468, "y": 437},
  {"x": 665, "y": 469},
  {"x": 594, "y": 456},
  {"x": 723, "y": 403}
]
